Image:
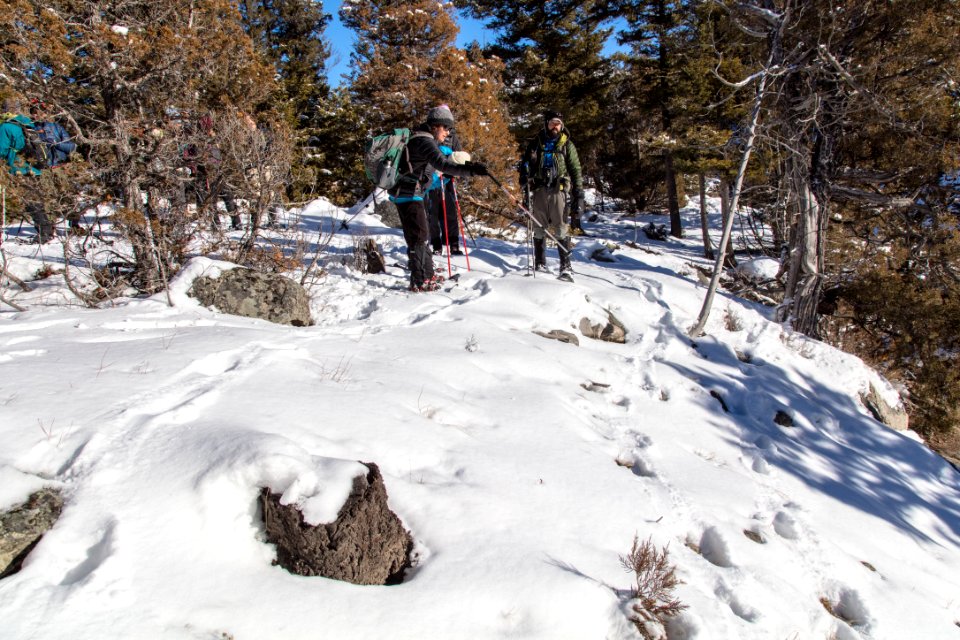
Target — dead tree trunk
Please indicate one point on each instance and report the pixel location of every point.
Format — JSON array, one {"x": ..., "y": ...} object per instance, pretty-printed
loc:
[{"x": 751, "y": 135}]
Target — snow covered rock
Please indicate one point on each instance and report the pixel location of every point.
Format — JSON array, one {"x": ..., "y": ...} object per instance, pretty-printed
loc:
[
  {"x": 22, "y": 527},
  {"x": 894, "y": 417},
  {"x": 612, "y": 331},
  {"x": 247, "y": 293},
  {"x": 388, "y": 213},
  {"x": 561, "y": 335},
  {"x": 366, "y": 544}
]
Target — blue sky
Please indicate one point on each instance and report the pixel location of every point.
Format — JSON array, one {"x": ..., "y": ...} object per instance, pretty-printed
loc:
[{"x": 341, "y": 39}]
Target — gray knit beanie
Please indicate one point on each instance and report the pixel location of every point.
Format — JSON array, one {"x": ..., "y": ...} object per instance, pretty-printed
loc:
[{"x": 440, "y": 115}]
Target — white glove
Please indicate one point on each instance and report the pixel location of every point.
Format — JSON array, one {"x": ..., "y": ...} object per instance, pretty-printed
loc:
[{"x": 460, "y": 157}]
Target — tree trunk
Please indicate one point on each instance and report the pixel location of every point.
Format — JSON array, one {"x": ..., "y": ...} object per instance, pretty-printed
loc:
[
  {"x": 805, "y": 271},
  {"x": 673, "y": 202},
  {"x": 726, "y": 213},
  {"x": 751, "y": 135},
  {"x": 144, "y": 254},
  {"x": 707, "y": 244}
]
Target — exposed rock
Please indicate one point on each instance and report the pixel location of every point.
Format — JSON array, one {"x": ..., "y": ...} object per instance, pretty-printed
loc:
[
  {"x": 388, "y": 213},
  {"x": 366, "y": 544},
  {"x": 613, "y": 331},
  {"x": 22, "y": 527},
  {"x": 655, "y": 231},
  {"x": 604, "y": 253},
  {"x": 894, "y": 417},
  {"x": 783, "y": 419},
  {"x": 250, "y": 294},
  {"x": 561, "y": 335}
]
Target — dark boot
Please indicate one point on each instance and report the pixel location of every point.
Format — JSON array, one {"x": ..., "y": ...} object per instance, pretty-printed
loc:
[
  {"x": 566, "y": 271},
  {"x": 415, "y": 262},
  {"x": 427, "y": 259},
  {"x": 45, "y": 229},
  {"x": 539, "y": 254},
  {"x": 576, "y": 228}
]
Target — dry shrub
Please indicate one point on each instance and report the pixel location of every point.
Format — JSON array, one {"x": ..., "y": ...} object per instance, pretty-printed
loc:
[
  {"x": 270, "y": 259},
  {"x": 652, "y": 597}
]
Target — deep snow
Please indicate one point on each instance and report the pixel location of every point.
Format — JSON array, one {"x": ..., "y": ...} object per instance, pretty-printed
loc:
[{"x": 522, "y": 466}]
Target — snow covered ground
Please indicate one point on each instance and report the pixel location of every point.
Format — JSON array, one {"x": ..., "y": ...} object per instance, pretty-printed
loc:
[{"x": 523, "y": 467}]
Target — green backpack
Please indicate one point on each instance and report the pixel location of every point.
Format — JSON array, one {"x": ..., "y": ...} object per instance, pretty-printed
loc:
[{"x": 382, "y": 157}]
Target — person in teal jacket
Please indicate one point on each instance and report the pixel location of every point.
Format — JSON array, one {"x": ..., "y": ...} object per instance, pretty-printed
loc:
[
  {"x": 441, "y": 200},
  {"x": 12, "y": 141}
]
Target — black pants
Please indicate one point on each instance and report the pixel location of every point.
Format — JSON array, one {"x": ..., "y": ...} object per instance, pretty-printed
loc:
[
  {"x": 444, "y": 230},
  {"x": 416, "y": 233}
]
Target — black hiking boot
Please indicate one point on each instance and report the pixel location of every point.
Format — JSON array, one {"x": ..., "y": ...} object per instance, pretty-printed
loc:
[
  {"x": 539, "y": 254},
  {"x": 566, "y": 271}
]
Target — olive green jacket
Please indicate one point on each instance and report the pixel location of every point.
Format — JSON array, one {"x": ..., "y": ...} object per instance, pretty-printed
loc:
[{"x": 534, "y": 167}]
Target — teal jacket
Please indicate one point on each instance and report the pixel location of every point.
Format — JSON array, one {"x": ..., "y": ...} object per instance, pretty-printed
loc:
[{"x": 11, "y": 143}]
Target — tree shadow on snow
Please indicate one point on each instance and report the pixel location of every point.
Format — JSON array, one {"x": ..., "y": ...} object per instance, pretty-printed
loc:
[{"x": 857, "y": 460}]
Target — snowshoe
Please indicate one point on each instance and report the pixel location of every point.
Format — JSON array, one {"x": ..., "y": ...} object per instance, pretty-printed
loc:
[{"x": 566, "y": 276}]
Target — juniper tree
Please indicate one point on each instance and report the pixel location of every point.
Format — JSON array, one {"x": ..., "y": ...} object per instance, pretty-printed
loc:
[{"x": 130, "y": 78}]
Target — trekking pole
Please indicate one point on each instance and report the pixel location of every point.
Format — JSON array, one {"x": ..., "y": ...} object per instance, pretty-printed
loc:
[
  {"x": 3, "y": 234},
  {"x": 360, "y": 207},
  {"x": 524, "y": 210},
  {"x": 446, "y": 226},
  {"x": 463, "y": 227}
]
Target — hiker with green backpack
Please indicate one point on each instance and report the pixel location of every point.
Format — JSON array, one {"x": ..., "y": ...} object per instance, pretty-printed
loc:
[
  {"x": 550, "y": 169},
  {"x": 413, "y": 167}
]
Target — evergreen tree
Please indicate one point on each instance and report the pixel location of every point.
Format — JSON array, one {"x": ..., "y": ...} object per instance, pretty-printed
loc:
[
  {"x": 552, "y": 51},
  {"x": 290, "y": 34},
  {"x": 405, "y": 63},
  {"x": 662, "y": 35}
]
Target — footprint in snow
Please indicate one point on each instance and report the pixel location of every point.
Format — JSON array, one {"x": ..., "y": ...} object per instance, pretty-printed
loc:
[
  {"x": 739, "y": 605},
  {"x": 26, "y": 353},
  {"x": 846, "y": 604},
  {"x": 635, "y": 455},
  {"x": 713, "y": 546},
  {"x": 94, "y": 556},
  {"x": 786, "y": 526}
]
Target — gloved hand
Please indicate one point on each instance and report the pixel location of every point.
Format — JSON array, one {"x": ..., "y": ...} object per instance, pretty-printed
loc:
[
  {"x": 526, "y": 199},
  {"x": 477, "y": 168}
]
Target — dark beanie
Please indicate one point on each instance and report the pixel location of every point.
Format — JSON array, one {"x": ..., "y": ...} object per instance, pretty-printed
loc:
[
  {"x": 550, "y": 114},
  {"x": 440, "y": 115}
]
